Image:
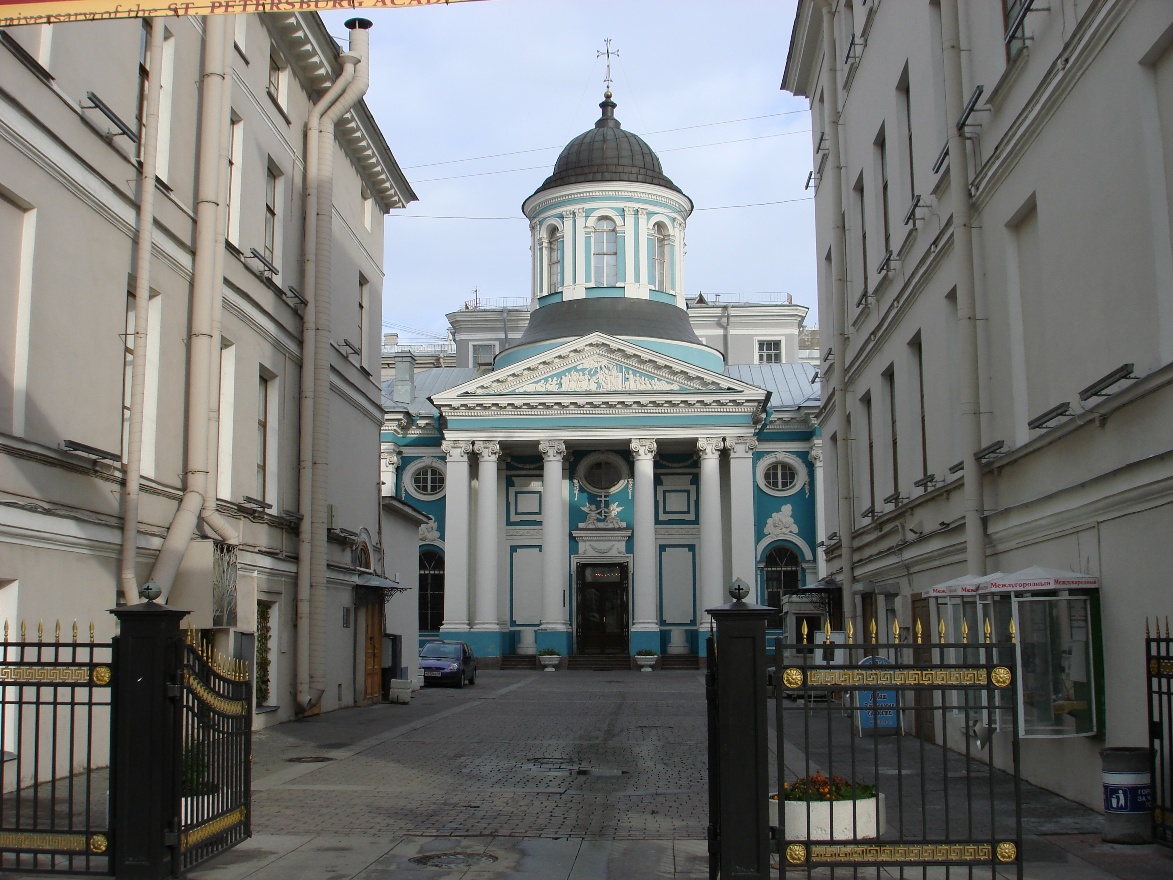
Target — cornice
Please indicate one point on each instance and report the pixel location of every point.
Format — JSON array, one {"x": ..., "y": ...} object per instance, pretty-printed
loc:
[{"x": 617, "y": 190}]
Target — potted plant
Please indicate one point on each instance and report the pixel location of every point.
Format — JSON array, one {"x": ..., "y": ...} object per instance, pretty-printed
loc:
[
  {"x": 645, "y": 659},
  {"x": 549, "y": 658},
  {"x": 822, "y": 807}
]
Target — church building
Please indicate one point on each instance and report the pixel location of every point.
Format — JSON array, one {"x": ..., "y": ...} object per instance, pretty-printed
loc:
[{"x": 599, "y": 467}]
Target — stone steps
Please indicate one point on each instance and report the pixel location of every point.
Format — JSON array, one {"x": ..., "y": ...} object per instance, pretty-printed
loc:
[
  {"x": 602, "y": 662},
  {"x": 519, "y": 661},
  {"x": 679, "y": 661}
]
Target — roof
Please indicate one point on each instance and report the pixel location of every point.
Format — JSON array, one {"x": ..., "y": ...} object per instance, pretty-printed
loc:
[
  {"x": 790, "y": 385},
  {"x": 614, "y": 316},
  {"x": 607, "y": 153},
  {"x": 427, "y": 383}
]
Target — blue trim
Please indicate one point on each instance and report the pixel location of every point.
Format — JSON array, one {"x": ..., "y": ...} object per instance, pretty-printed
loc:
[
  {"x": 549, "y": 299},
  {"x": 486, "y": 644},
  {"x": 593, "y": 421},
  {"x": 604, "y": 292},
  {"x": 639, "y": 641},
  {"x": 559, "y": 641},
  {"x": 661, "y": 296},
  {"x": 697, "y": 355}
]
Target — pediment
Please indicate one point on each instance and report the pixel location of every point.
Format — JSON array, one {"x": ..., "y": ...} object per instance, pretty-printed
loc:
[{"x": 598, "y": 365}]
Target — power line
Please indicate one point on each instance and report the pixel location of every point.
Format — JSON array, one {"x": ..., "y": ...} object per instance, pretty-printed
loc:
[
  {"x": 559, "y": 147},
  {"x": 518, "y": 217},
  {"x": 666, "y": 150}
]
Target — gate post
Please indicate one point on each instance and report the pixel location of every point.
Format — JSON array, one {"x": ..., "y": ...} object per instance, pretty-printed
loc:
[
  {"x": 144, "y": 740},
  {"x": 742, "y": 735}
]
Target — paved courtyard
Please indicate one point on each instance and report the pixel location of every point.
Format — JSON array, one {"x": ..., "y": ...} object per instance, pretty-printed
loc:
[{"x": 565, "y": 776}]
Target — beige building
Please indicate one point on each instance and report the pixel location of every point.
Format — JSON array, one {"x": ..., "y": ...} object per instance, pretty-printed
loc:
[
  {"x": 190, "y": 299},
  {"x": 993, "y": 187}
]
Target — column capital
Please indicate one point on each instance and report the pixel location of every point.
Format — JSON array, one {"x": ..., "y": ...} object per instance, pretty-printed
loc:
[
  {"x": 643, "y": 448},
  {"x": 740, "y": 447},
  {"x": 488, "y": 450},
  {"x": 390, "y": 454},
  {"x": 816, "y": 453},
  {"x": 580, "y": 212},
  {"x": 709, "y": 447},
  {"x": 552, "y": 450},
  {"x": 456, "y": 450},
  {"x": 642, "y": 211},
  {"x": 533, "y": 226}
]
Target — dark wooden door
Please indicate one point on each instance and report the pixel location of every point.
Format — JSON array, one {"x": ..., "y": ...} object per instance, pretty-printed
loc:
[
  {"x": 601, "y": 608},
  {"x": 374, "y": 650}
]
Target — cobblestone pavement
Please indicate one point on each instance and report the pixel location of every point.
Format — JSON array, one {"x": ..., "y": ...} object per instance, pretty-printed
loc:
[{"x": 565, "y": 776}]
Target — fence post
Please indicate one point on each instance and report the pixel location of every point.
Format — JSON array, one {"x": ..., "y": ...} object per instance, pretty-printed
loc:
[
  {"x": 742, "y": 731},
  {"x": 143, "y": 740}
]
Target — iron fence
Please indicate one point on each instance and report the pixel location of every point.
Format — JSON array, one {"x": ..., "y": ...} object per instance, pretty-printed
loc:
[
  {"x": 1159, "y": 655},
  {"x": 918, "y": 739},
  {"x": 55, "y": 717},
  {"x": 215, "y": 770}
]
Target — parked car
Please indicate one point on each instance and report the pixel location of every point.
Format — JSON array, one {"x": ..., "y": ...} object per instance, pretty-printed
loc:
[{"x": 448, "y": 662}]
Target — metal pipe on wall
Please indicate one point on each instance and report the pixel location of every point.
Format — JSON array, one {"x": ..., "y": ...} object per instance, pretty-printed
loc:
[{"x": 144, "y": 243}]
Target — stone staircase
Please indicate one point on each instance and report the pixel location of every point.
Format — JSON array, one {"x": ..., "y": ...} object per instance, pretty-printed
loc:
[
  {"x": 599, "y": 662},
  {"x": 680, "y": 661}
]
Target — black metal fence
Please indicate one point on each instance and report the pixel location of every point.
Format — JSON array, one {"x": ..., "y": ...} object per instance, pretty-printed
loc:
[
  {"x": 55, "y": 716},
  {"x": 909, "y": 736},
  {"x": 1159, "y": 656},
  {"x": 215, "y": 775}
]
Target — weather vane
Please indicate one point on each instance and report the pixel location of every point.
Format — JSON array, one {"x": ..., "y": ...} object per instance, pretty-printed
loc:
[{"x": 607, "y": 53}]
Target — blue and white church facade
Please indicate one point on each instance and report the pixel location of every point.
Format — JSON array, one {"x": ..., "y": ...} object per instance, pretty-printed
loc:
[{"x": 599, "y": 467}]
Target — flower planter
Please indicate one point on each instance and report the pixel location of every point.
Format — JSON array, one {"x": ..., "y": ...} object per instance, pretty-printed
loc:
[
  {"x": 549, "y": 661},
  {"x": 832, "y": 820},
  {"x": 645, "y": 662}
]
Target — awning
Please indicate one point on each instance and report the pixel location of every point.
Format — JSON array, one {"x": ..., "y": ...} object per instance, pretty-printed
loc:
[
  {"x": 378, "y": 582},
  {"x": 966, "y": 585},
  {"x": 1038, "y": 578}
]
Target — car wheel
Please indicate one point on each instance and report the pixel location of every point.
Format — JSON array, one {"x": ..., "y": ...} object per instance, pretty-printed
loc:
[
  {"x": 472, "y": 679},
  {"x": 460, "y": 679}
]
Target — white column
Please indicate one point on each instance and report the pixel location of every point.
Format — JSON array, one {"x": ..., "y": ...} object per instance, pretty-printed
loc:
[
  {"x": 456, "y": 536},
  {"x": 485, "y": 613},
  {"x": 580, "y": 254},
  {"x": 816, "y": 457},
  {"x": 679, "y": 260},
  {"x": 641, "y": 253},
  {"x": 646, "y": 615},
  {"x": 554, "y": 616},
  {"x": 538, "y": 261},
  {"x": 711, "y": 589},
  {"x": 389, "y": 469},
  {"x": 630, "y": 243},
  {"x": 743, "y": 539}
]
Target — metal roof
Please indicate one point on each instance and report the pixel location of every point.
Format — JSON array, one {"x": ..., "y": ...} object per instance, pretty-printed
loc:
[
  {"x": 427, "y": 383},
  {"x": 790, "y": 385}
]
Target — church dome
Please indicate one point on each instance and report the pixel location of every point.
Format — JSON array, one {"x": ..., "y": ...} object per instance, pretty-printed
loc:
[{"x": 607, "y": 153}]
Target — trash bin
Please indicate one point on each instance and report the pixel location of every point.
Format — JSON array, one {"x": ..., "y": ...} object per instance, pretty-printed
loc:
[{"x": 1128, "y": 795}]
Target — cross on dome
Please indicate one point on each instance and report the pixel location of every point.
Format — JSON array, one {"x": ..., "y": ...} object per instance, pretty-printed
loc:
[{"x": 607, "y": 53}]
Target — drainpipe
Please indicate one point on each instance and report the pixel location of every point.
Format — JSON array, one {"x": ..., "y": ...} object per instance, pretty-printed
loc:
[
  {"x": 316, "y": 312},
  {"x": 205, "y": 289},
  {"x": 209, "y": 514},
  {"x": 144, "y": 242},
  {"x": 967, "y": 337},
  {"x": 839, "y": 311}
]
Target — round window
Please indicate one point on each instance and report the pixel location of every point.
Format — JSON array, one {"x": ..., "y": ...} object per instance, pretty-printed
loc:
[
  {"x": 428, "y": 480},
  {"x": 602, "y": 472},
  {"x": 780, "y": 476}
]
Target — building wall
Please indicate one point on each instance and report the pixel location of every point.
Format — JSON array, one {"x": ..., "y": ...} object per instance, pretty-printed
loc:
[{"x": 1072, "y": 266}]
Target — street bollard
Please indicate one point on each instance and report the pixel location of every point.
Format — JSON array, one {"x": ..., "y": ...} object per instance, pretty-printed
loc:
[{"x": 1128, "y": 795}]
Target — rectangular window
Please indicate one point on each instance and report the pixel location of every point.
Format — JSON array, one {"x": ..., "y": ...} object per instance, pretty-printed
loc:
[
  {"x": 278, "y": 78},
  {"x": 235, "y": 151},
  {"x": 240, "y": 31},
  {"x": 867, "y": 412},
  {"x": 883, "y": 149},
  {"x": 889, "y": 378},
  {"x": 17, "y": 238},
  {"x": 483, "y": 354},
  {"x": 904, "y": 104},
  {"x": 919, "y": 365},
  {"x": 606, "y": 254},
  {"x": 1015, "y": 42},
  {"x": 270, "y": 215},
  {"x": 368, "y": 209},
  {"x": 166, "y": 78},
  {"x": 861, "y": 212},
  {"x": 262, "y": 436},
  {"x": 769, "y": 351},
  {"x": 226, "y": 413}
]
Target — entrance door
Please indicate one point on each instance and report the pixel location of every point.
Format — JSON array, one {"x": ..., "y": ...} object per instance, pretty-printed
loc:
[
  {"x": 601, "y": 609},
  {"x": 374, "y": 650}
]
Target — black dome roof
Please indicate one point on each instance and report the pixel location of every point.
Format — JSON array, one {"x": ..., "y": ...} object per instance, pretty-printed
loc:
[{"x": 607, "y": 153}]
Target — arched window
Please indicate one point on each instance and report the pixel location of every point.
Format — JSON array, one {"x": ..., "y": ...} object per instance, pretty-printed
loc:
[
  {"x": 431, "y": 591},
  {"x": 606, "y": 264},
  {"x": 660, "y": 257},
  {"x": 781, "y": 571},
  {"x": 553, "y": 260}
]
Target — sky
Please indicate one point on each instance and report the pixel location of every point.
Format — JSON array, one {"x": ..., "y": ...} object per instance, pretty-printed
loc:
[{"x": 477, "y": 99}]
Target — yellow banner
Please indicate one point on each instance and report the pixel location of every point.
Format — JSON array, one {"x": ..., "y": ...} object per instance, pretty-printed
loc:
[{"x": 18, "y": 12}]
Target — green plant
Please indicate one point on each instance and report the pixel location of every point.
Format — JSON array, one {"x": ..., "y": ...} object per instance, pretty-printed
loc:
[
  {"x": 549, "y": 652},
  {"x": 826, "y": 788},
  {"x": 647, "y": 652},
  {"x": 193, "y": 774}
]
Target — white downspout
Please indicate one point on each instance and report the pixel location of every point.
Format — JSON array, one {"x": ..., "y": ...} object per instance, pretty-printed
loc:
[
  {"x": 205, "y": 287},
  {"x": 323, "y": 288},
  {"x": 967, "y": 335},
  {"x": 839, "y": 312},
  {"x": 208, "y": 513},
  {"x": 306, "y": 699},
  {"x": 144, "y": 242}
]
